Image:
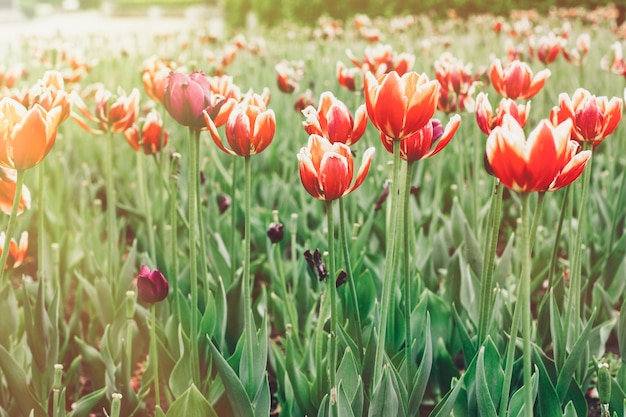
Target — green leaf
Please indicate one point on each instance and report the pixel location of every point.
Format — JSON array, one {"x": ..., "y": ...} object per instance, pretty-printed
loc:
[
  {"x": 299, "y": 382},
  {"x": 9, "y": 313},
  {"x": 259, "y": 348},
  {"x": 262, "y": 400},
  {"x": 385, "y": 399},
  {"x": 18, "y": 385},
  {"x": 85, "y": 404},
  {"x": 613, "y": 262},
  {"x": 445, "y": 406},
  {"x": 348, "y": 374},
  {"x": 570, "y": 410},
  {"x": 574, "y": 359},
  {"x": 486, "y": 405},
  {"x": 549, "y": 403},
  {"x": 93, "y": 363},
  {"x": 191, "y": 403},
  {"x": 343, "y": 402},
  {"x": 181, "y": 376},
  {"x": 423, "y": 372},
  {"x": 235, "y": 390},
  {"x": 471, "y": 250}
]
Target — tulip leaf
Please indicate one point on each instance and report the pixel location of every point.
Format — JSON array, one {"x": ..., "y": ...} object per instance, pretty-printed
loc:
[
  {"x": 570, "y": 410},
  {"x": 343, "y": 403},
  {"x": 548, "y": 401},
  {"x": 235, "y": 390},
  {"x": 9, "y": 313},
  {"x": 423, "y": 372},
  {"x": 181, "y": 376},
  {"x": 574, "y": 359},
  {"x": 18, "y": 385},
  {"x": 85, "y": 404},
  {"x": 385, "y": 399},
  {"x": 191, "y": 403},
  {"x": 486, "y": 406},
  {"x": 348, "y": 374},
  {"x": 299, "y": 382}
]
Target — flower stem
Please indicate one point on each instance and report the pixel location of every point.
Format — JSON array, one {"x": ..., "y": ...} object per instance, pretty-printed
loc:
[
  {"x": 153, "y": 356},
  {"x": 408, "y": 279},
  {"x": 573, "y": 313},
  {"x": 249, "y": 326},
  {"x": 524, "y": 300},
  {"x": 388, "y": 278},
  {"x": 233, "y": 222},
  {"x": 557, "y": 239},
  {"x": 41, "y": 226},
  {"x": 11, "y": 226},
  {"x": 343, "y": 236},
  {"x": 112, "y": 235},
  {"x": 490, "y": 247},
  {"x": 194, "y": 142},
  {"x": 141, "y": 180},
  {"x": 173, "y": 193},
  {"x": 332, "y": 292}
]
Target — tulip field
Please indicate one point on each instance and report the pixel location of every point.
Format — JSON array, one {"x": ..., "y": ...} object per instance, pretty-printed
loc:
[{"x": 377, "y": 217}]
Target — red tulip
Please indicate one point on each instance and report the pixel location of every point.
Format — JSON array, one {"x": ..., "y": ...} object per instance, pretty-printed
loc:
[
  {"x": 333, "y": 120},
  {"x": 327, "y": 169},
  {"x": 594, "y": 118},
  {"x": 350, "y": 78},
  {"x": 516, "y": 81},
  {"x": 152, "y": 286},
  {"x": 428, "y": 141},
  {"x": 250, "y": 127},
  {"x": 152, "y": 137},
  {"x": 400, "y": 106},
  {"x": 111, "y": 114},
  {"x": 487, "y": 121},
  {"x": 546, "y": 161}
]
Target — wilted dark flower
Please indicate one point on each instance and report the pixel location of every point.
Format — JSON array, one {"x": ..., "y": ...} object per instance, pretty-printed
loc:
[
  {"x": 383, "y": 196},
  {"x": 275, "y": 232},
  {"x": 223, "y": 202},
  {"x": 341, "y": 279},
  {"x": 314, "y": 260},
  {"x": 152, "y": 286}
]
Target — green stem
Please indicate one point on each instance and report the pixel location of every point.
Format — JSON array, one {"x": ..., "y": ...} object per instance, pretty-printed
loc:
[
  {"x": 491, "y": 245},
  {"x": 557, "y": 239},
  {"x": 524, "y": 300},
  {"x": 343, "y": 236},
  {"x": 19, "y": 182},
  {"x": 247, "y": 289},
  {"x": 573, "y": 313},
  {"x": 112, "y": 235},
  {"x": 173, "y": 264},
  {"x": 141, "y": 180},
  {"x": 233, "y": 223},
  {"x": 194, "y": 142},
  {"x": 41, "y": 226},
  {"x": 408, "y": 281},
  {"x": 536, "y": 217},
  {"x": 154, "y": 356},
  {"x": 332, "y": 291},
  {"x": 388, "y": 278}
]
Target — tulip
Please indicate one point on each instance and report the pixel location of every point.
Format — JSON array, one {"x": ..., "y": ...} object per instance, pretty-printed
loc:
[
  {"x": 547, "y": 160},
  {"x": 400, "y": 106},
  {"x": 250, "y": 127},
  {"x": 26, "y": 136},
  {"x": 305, "y": 100},
  {"x": 18, "y": 251},
  {"x": 49, "y": 93},
  {"x": 111, "y": 114},
  {"x": 333, "y": 120},
  {"x": 152, "y": 286},
  {"x": 154, "y": 82},
  {"x": 188, "y": 97},
  {"x": 516, "y": 81},
  {"x": 428, "y": 141},
  {"x": 275, "y": 232},
  {"x": 326, "y": 169},
  {"x": 350, "y": 78},
  {"x": 487, "y": 120},
  {"x": 593, "y": 118},
  {"x": 547, "y": 48},
  {"x": 152, "y": 137},
  {"x": 8, "y": 178},
  {"x": 287, "y": 77}
]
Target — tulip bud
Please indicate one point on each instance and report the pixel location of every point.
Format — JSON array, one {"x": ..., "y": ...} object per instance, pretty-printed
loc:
[
  {"x": 152, "y": 286},
  {"x": 275, "y": 232},
  {"x": 223, "y": 202}
]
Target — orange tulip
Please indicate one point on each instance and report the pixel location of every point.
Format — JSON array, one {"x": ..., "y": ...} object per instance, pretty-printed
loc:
[
  {"x": 546, "y": 161},
  {"x": 112, "y": 114},
  {"x": 594, "y": 118},
  {"x": 154, "y": 81},
  {"x": 327, "y": 169},
  {"x": 400, "y": 106},
  {"x": 487, "y": 120},
  {"x": 516, "y": 81},
  {"x": 49, "y": 92},
  {"x": 152, "y": 137},
  {"x": 333, "y": 120},
  {"x": 17, "y": 251},
  {"x": 250, "y": 127},
  {"x": 26, "y": 136},
  {"x": 428, "y": 141},
  {"x": 8, "y": 178}
]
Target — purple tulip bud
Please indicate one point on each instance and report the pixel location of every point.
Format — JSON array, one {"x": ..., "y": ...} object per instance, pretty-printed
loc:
[
  {"x": 275, "y": 232},
  {"x": 223, "y": 202},
  {"x": 152, "y": 286},
  {"x": 187, "y": 96}
]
